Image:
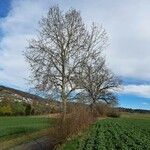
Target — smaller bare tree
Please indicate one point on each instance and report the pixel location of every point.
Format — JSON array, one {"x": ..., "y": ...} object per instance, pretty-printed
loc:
[{"x": 97, "y": 83}]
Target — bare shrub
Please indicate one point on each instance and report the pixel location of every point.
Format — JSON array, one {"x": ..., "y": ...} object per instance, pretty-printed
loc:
[
  {"x": 80, "y": 118},
  {"x": 102, "y": 110},
  {"x": 113, "y": 112}
]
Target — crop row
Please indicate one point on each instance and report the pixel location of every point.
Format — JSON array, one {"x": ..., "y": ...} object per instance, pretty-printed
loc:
[{"x": 117, "y": 134}]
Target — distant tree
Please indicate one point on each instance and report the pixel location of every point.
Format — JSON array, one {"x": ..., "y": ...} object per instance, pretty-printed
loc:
[
  {"x": 6, "y": 110},
  {"x": 5, "y": 105},
  {"x": 18, "y": 108},
  {"x": 32, "y": 111},
  {"x": 28, "y": 109},
  {"x": 63, "y": 44}
]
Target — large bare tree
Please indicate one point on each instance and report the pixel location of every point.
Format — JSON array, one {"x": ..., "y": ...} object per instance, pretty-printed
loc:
[{"x": 62, "y": 47}]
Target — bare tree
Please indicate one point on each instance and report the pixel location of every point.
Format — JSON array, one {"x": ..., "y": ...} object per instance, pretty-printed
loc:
[
  {"x": 62, "y": 47},
  {"x": 97, "y": 82}
]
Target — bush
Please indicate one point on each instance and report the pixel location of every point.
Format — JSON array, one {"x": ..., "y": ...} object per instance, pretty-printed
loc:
[
  {"x": 102, "y": 110},
  {"x": 18, "y": 109},
  {"x": 28, "y": 109},
  {"x": 113, "y": 112},
  {"x": 6, "y": 110},
  {"x": 32, "y": 111},
  {"x": 79, "y": 119}
]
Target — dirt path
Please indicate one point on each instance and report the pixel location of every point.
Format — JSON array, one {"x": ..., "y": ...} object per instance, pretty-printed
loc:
[
  {"x": 28, "y": 139},
  {"x": 43, "y": 143}
]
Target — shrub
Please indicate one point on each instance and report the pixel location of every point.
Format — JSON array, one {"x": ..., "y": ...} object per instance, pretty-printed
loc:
[
  {"x": 28, "y": 109},
  {"x": 32, "y": 111},
  {"x": 18, "y": 109},
  {"x": 113, "y": 112},
  {"x": 6, "y": 110},
  {"x": 102, "y": 110},
  {"x": 79, "y": 119}
]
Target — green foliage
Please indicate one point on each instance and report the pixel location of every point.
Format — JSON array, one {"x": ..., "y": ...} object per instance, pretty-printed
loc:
[
  {"x": 11, "y": 104},
  {"x": 18, "y": 109},
  {"x": 115, "y": 134},
  {"x": 12, "y": 108},
  {"x": 28, "y": 109},
  {"x": 5, "y": 107},
  {"x": 6, "y": 110}
]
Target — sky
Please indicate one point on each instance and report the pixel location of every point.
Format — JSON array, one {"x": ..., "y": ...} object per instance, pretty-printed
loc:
[{"x": 127, "y": 23}]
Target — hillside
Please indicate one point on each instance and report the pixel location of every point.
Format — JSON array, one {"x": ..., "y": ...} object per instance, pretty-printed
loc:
[
  {"x": 19, "y": 93},
  {"x": 15, "y": 102},
  {"x": 14, "y": 95}
]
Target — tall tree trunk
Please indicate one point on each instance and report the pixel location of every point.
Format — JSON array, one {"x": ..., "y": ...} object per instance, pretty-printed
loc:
[
  {"x": 64, "y": 109},
  {"x": 63, "y": 96},
  {"x": 64, "y": 105},
  {"x": 92, "y": 106}
]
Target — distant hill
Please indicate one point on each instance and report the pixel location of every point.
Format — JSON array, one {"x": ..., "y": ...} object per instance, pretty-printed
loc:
[
  {"x": 20, "y": 93},
  {"x": 21, "y": 96},
  {"x": 15, "y": 102},
  {"x": 134, "y": 110}
]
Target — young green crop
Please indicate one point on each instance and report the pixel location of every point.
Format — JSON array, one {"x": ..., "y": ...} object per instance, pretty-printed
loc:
[{"x": 116, "y": 134}]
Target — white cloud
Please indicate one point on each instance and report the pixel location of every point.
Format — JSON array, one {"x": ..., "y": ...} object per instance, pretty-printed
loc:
[
  {"x": 19, "y": 26},
  {"x": 139, "y": 90},
  {"x": 127, "y": 23}
]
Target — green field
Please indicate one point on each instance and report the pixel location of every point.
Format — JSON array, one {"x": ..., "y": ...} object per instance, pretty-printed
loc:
[
  {"x": 11, "y": 127},
  {"x": 114, "y": 134}
]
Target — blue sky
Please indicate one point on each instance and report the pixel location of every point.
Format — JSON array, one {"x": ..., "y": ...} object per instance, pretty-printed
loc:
[{"x": 126, "y": 22}]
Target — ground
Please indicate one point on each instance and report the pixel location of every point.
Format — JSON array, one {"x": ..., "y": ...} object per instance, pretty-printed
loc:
[{"x": 131, "y": 131}]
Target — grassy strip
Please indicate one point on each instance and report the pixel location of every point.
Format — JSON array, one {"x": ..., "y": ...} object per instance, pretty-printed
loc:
[
  {"x": 18, "y": 130},
  {"x": 11, "y": 127},
  {"x": 135, "y": 115}
]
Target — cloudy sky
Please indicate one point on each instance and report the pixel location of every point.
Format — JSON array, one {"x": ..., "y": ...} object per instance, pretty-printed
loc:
[{"x": 127, "y": 23}]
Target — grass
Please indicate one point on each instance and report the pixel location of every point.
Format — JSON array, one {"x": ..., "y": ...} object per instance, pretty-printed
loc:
[
  {"x": 14, "y": 126},
  {"x": 130, "y": 132},
  {"x": 131, "y": 129},
  {"x": 135, "y": 115},
  {"x": 17, "y": 130}
]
